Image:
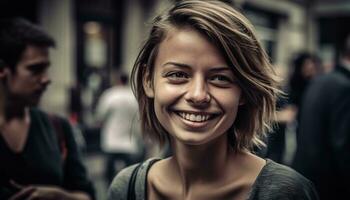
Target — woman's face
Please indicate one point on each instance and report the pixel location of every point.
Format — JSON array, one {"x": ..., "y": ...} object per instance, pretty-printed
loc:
[{"x": 195, "y": 93}]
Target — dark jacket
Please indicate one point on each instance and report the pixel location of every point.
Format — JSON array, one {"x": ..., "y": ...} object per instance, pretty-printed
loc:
[{"x": 323, "y": 143}]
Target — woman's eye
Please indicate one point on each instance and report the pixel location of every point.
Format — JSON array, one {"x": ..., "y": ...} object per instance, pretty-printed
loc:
[
  {"x": 220, "y": 79},
  {"x": 177, "y": 75}
]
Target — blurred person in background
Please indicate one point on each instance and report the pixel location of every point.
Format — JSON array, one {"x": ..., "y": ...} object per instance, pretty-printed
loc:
[
  {"x": 304, "y": 67},
  {"x": 120, "y": 133},
  {"x": 38, "y": 161},
  {"x": 323, "y": 142}
]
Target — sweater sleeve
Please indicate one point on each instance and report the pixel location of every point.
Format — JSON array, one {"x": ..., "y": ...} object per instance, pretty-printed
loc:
[{"x": 119, "y": 188}]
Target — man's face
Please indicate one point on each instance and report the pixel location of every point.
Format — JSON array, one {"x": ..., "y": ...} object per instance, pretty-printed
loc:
[{"x": 29, "y": 80}]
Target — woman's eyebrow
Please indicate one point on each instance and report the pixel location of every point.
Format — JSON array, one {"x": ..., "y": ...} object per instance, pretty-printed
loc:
[{"x": 182, "y": 65}]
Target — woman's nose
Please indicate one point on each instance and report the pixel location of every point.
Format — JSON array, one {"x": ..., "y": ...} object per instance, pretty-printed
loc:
[{"x": 197, "y": 92}]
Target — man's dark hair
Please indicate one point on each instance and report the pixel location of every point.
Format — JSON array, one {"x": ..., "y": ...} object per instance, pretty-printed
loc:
[{"x": 15, "y": 35}]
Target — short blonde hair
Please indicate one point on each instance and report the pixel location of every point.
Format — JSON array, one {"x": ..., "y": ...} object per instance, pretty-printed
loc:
[{"x": 233, "y": 35}]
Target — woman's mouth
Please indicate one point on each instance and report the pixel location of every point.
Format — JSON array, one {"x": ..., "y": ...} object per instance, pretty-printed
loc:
[{"x": 195, "y": 117}]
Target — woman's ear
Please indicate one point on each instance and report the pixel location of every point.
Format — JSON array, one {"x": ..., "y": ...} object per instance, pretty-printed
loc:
[{"x": 147, "y": 84}]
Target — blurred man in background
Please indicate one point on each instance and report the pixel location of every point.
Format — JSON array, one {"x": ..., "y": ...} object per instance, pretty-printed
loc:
[
  {"x": 117, "y": 112},
  {"x": 323, "y": 143},
  {"x": 38, "y": 153}
]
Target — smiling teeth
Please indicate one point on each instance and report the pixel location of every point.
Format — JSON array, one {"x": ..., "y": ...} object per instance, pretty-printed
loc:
[{"x": 194, "y": 117}]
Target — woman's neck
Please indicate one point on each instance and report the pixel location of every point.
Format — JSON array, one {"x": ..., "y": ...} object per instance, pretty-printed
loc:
[
  {"x": 202, "y": 163},
  {"x": 193, "y": 171}
]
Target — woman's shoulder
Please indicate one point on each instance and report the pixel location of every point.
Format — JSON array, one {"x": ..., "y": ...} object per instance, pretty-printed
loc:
[
  {"x": 281, "y": 173},
  {"x": 120, "y": 184},
  {"x": 277, "y": 181}
]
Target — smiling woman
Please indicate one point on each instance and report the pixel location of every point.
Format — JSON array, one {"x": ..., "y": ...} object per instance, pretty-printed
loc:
[{"x": 204, "y": 83}]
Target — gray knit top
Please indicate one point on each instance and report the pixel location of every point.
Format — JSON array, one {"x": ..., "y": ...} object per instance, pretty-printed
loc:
[{"x": 275, "y": 182}]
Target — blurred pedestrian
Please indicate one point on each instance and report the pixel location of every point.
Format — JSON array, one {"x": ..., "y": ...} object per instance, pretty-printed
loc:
[
  {"x": 38, "y": 153},
  {"x": 305, "y": 66},
  {"x": 204, "y": 83},
  {"x": 120, "y": 133},
  {"x": 323, "y": 142}
]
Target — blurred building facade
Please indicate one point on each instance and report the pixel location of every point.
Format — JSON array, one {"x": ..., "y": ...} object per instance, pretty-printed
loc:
[{"x": 96, "y": 37}]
